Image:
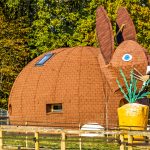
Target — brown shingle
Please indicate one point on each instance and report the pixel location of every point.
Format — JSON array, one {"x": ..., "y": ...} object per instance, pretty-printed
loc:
[
  {"x": 71, "y": 77},
  {"x": 82, "y": 79}
]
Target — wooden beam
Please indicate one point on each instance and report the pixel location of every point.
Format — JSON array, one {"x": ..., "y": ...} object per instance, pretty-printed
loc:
[
  {"x": 130, "y": 141},
  {"x": 1, "y": 140},
  {"x": 36, "y": 134},
  {"x": 50, "y": 130},
  {"x": 80, "y": 143},
  {"x": 63, "y": 143},
  {"x": 122, "y": 146}
]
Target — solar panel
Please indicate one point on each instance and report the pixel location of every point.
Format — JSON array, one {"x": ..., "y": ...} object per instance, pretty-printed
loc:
[{"x": 42, "y": 61}]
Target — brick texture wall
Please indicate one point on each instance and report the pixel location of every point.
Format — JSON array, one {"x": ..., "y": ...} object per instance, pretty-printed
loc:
[
  {"x": 79, "y": 79},
  {"x": 71, "y": 77}
]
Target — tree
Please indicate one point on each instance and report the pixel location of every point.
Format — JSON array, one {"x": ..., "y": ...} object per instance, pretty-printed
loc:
[
  {"x": 31, "y": 27},
  {"x": 14, "y": 53}
]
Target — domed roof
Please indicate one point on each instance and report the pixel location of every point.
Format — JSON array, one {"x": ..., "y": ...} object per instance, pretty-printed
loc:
[{"x": 68, "y": 75}]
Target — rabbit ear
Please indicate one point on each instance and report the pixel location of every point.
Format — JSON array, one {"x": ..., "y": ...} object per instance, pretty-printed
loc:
[
  {"x": 104, "y": 34},
  {"x": 125, "y": 26}
]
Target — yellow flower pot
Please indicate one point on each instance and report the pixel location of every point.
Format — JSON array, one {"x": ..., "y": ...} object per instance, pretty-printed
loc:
[{"x": 133, "y": 116}]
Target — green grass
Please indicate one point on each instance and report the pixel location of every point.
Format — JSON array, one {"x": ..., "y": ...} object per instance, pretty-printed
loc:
[{"x": 52, "y": 142}]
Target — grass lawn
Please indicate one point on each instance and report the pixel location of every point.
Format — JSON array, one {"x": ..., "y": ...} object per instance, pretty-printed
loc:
[{"x": 52, "y": 142}]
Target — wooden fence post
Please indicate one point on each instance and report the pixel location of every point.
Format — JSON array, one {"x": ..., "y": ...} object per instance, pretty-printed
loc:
[
  {"x": 130, "y": 141},
  {"x": 122, "y": 146},
  {"x": 63, "y": 138},
  {"x": 1, "y": 140},
  {"x": 36, "y": 140},
  {"x": 80, "y": 143},
  {"x": 26, "y": 123},
  {"x": 116, "y": 136}
]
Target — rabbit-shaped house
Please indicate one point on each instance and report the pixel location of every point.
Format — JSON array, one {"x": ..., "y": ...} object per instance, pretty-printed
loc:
[{"x": 72, "y": 86}]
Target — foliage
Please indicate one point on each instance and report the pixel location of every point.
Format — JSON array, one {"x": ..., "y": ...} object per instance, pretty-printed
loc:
[
  {"x": 133, "y": 94},
  {"x": 14, "y": 54},
  {"x": 29, "y": 28}
]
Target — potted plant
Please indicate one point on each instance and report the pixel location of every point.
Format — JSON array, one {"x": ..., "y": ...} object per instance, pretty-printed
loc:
[{"x": 133, "y": 115}]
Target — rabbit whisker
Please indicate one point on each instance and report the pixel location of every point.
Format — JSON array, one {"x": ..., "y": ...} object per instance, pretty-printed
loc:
[
  {"x": 138, "y": 72},
  {"x": 139, "y": 78},
  {"x": 136, "y": 75}
]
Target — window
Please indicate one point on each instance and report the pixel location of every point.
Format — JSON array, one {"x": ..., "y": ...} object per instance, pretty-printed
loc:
[
  {"x": 44, "y": 59},
  {"x": 53, "y": 107}
]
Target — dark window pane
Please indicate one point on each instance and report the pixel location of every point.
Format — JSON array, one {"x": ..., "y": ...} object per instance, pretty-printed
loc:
[
  {"x": 57, "y": 107},
  {"x": 53, "y": 108}
]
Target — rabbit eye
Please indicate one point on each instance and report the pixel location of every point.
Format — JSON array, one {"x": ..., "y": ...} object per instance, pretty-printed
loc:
[{"x": 127, "y": 57}]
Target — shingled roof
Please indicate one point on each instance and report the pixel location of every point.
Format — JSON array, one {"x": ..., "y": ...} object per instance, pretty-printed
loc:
[{"x": 71, "y": 76}]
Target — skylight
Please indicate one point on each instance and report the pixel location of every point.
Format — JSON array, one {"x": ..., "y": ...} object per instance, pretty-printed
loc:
[{"x": 44, "y": 59}]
